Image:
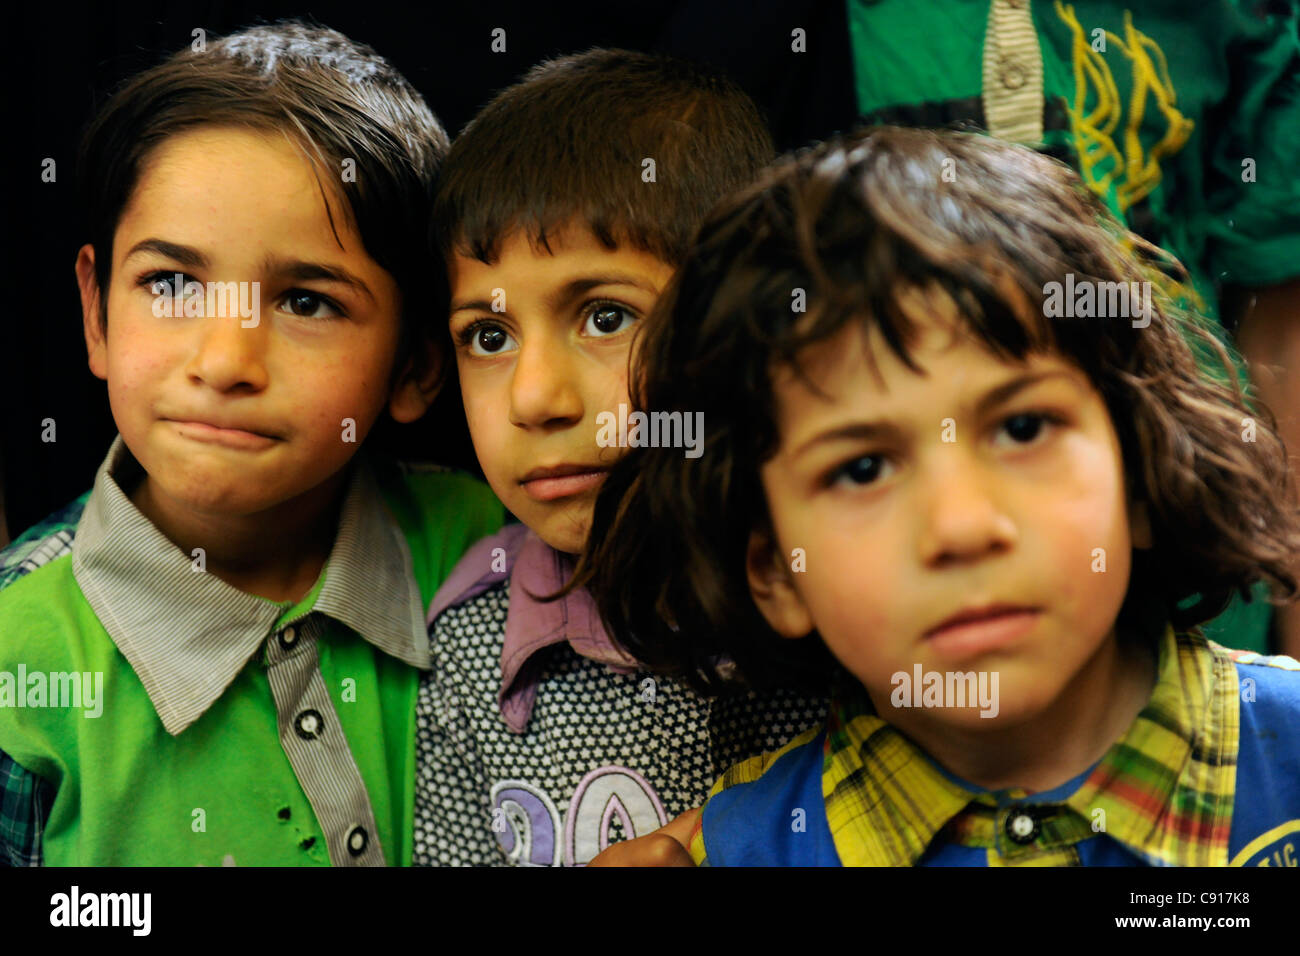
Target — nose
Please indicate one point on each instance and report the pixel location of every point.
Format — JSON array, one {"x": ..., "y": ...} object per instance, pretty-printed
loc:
[
  {"x": 228, "y": 356},
  {"x": 544, "y": 388},
  {"x": 963, "y": 514}
]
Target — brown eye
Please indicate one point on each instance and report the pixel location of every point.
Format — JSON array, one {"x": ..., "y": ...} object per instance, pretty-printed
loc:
[
  {"x": 310, "y": 305},
  {"x": 1024, "y": 428},
  {"x": 1028, "y": 428},
  {"x": 608, "y": 318},
  {"x": 491, "y": 340},
  {"x": 860, "y": 471},
  {"x": 485, "y": 339}
]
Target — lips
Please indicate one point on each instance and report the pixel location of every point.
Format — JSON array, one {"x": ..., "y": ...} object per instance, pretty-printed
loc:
[
  {"x": 562, "y": 481},
  {"x": 225, "y": 434},
  {"x": 979, "y": 630},
  {"x": 977, "y": 614}
]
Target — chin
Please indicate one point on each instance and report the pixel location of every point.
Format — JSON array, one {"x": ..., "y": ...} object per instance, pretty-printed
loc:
[
  {"x": 561, "y": 534},
  {"x": 1015, "y": 706},
  {"x": 227, "y": 502}
]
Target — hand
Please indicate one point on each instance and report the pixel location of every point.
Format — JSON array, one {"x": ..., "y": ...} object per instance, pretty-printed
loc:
[{"x": 667, "y": 846}]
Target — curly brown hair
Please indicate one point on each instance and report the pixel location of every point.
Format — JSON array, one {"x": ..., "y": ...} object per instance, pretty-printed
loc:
[{"x": 855, "y": 222}]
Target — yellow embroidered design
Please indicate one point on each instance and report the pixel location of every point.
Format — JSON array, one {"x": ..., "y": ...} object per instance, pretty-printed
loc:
[{"x": 1133, "y": 174}]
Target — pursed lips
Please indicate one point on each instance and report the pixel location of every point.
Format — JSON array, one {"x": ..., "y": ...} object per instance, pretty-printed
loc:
[
  {"x": 562, "y": 481},
  {"x": 226, "y": 435}
]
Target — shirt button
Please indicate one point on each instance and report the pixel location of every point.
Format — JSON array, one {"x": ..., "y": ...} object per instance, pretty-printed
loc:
[
  {"x": 309, "y": 724},
  {"x": 1022, "y": 827},
  {"x": 288, "y": 638},
  {"x": 1012, "y": 76},
  {"x": 358, "y": 840}
]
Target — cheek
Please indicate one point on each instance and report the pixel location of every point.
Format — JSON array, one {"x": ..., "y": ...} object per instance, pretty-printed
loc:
[
  {"x": 487, "y": 413},
  {"x": 137, "y": 360},
  {"x": 616, "y": 372},
  {"x": 850, "y": 589},
  {"x": 602, "y": 382},
  {"x": 1085, "y": 525},
  {"x": 851, "y": 572},
  {"x": 347, "y": 381}
]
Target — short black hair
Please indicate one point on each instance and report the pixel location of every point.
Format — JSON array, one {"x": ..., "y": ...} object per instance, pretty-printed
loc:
[{"x": 570, "y": 142}]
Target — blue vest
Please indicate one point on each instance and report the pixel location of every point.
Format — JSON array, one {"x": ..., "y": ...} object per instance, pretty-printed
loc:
[{"x": 1265, "y": 817}]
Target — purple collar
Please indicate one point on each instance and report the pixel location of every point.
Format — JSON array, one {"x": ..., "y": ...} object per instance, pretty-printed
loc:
[{"x": 534, "y": 568}]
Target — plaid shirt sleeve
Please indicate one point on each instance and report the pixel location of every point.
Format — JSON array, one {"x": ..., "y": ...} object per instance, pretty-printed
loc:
[
  {"x": 24, "y": 804},
  {"x": 25, "y": 798},
  {"x": 41, "y": 543}
]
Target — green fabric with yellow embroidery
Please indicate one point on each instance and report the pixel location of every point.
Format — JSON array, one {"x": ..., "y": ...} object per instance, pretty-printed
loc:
[{"x": 1184, "y": 118}]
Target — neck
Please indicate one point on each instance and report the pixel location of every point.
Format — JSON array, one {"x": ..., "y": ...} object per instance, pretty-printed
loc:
[
  {"x": 1042, "y": 750},
  {"x": 277, "y": 553}
]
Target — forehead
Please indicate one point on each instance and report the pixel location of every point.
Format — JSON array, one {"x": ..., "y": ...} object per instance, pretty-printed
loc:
[
  {"x": 572, "y": 253},
  {"x": 857, "y": 372},
  {"x": 240, "y": 191}
]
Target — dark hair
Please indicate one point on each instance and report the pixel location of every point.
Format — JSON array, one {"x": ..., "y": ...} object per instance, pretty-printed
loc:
[
  {"x": 338, "y": 98},
  {"x": 569, "y": 142},
  {"x": 856, "y": 222}
]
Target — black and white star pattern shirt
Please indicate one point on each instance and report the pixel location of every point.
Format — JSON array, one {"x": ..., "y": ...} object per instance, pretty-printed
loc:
[{"x": 604, "y": 757}]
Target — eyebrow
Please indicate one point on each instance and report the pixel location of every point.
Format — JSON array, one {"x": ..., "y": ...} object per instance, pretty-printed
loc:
[
  {"x": 572, "y": 290},
  {"x": 187, "y": 256},
  {"x": 304, "y": 271},
  {"x": 296, "y": 269},
  {"x": 886, "y": 429}
]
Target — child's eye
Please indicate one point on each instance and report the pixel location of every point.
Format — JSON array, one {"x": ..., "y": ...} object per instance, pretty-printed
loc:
[
  {"x": 308, "y": 305},
  {"x": 607, "y": 318},
  {"x": 865, "y": 470},
  {"x": 485, "y": 339},
  {"x": 1027, "y": 427},
  {"x": 166, "y": 283}
]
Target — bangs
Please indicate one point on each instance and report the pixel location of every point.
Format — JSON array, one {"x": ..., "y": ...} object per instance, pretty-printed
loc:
[
  {"x": 612, "y": 218},
  {"x": 634, "y": 147}
]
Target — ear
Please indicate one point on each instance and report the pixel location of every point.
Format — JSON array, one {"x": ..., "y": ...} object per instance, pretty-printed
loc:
[
  {"x": 1139, "y": 525},
  {"x": 96, "y": 344},
  {"x": 771, "y": 584},
  {"x": 419, "y": 382}
]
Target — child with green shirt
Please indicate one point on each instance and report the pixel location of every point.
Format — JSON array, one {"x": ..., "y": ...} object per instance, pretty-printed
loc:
[{"x": 214, "y": 657}]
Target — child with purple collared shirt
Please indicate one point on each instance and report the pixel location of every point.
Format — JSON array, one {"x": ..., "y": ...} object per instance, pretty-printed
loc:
[{"x": 563, "y": 210}]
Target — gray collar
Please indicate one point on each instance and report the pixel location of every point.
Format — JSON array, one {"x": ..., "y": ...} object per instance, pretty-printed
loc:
[{"x": 187, "y": 634}]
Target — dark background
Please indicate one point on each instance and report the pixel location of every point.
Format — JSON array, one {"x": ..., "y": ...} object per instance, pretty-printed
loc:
[{"x": 67, "y": 58}]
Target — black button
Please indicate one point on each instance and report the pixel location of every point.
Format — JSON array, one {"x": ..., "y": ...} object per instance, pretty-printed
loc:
[
  {"x": 358, "y": 840},
  {"x": 1022, "y": 826},
  {"x": 288, "y": 638},
  {"x": 309, "y": 724}
]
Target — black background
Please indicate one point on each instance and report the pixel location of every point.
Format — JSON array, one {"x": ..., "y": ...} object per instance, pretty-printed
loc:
[{"x": 65, "y": 59}]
